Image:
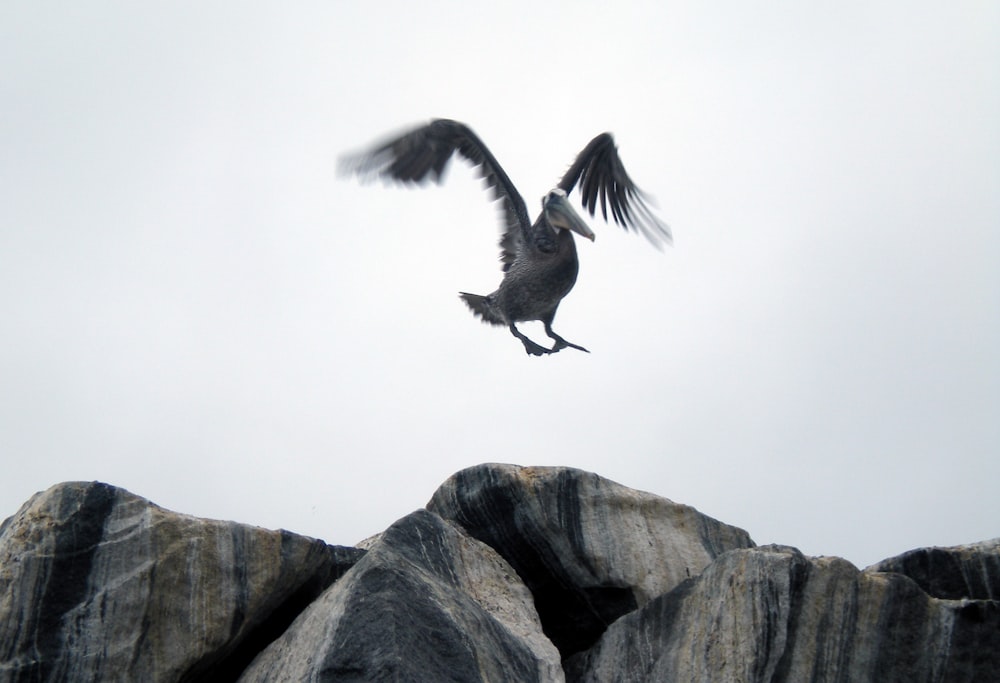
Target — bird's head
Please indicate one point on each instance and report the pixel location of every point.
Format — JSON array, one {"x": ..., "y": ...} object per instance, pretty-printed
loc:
[{"x": 561, "y": 214}]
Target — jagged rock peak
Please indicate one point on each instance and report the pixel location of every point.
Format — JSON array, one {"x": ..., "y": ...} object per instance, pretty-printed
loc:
[
  {"x": 589, "y": 549},
  {"x": 99, "y": 584}
]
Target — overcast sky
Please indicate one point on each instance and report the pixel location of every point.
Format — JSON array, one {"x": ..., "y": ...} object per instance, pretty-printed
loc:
[{"x": 194, "y": 306}]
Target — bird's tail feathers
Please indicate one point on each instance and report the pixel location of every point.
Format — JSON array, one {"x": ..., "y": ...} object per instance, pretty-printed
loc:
[{"x": 482, "y": 306}]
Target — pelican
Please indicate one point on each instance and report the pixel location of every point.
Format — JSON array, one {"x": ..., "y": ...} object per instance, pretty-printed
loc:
[{"x": 539, "y": 258}]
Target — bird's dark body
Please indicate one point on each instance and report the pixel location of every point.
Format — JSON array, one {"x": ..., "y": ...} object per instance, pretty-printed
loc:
[
  {"x": 540, "y": 262},
  {"x": 534, "y": 284}
]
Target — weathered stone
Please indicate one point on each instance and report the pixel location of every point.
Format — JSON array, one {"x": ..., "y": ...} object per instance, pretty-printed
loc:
[
  {"x": 100, "y": 584},
  {"x": 589, "y": 549},
  {"x": 426, "y": 603},
  {"x": 771, "y": 614},
  {"x": 964, "y": 571}
]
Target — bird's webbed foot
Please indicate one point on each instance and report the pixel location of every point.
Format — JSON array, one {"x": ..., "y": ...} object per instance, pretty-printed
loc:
[
  {"x": 560, "y": 342},
  {"x": 530, "y": 347},
  {"x": 534, "y": 349}
]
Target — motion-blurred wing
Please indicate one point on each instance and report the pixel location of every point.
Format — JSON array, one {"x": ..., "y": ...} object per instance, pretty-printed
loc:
[
  {"x": 599, "y": 172},
  {"x": 423, "y": 154}
]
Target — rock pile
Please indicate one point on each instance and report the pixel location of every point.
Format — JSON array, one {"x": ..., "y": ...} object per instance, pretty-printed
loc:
[{"x": 510, "y": 574}]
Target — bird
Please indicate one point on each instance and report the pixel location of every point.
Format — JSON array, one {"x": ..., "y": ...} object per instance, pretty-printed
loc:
[{"x": 540, "y": 262}]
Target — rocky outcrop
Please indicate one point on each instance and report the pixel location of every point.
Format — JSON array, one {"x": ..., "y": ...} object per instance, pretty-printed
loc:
[
  {"x": 969, "y": 571},
  {"x": 99, "y": 584},
  {"x": 510, "y": 574},
  {"x": 427, "y": 603},
  {"x": 771, "y": 614},
  {"x": 589, "y": 549}
]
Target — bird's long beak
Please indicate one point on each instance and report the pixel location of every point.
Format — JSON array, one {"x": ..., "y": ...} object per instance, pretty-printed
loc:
[{"x": 562, "y": 215}]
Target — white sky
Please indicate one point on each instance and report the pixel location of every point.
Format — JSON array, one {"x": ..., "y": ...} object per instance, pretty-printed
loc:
[{"x": 195, "y": 307}]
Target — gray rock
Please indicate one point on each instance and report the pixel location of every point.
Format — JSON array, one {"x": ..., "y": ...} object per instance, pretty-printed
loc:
[
  {"x": 589, "y": 549},
  {"x": 426, "y": 603},
  {"x": 771, "y": 614},
  {"x": 964, "y": 571},
  {"x": 100, "y": 584}
]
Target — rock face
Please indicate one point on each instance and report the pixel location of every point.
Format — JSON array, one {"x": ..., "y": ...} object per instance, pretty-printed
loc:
[
  {"x": 99, "y": 584},
  {"x": 427, "y": 603},
  {"x": 971, "y": 571},
  {"x": 510, "y": 574},
  {"x": 589, "y": 549},
  {"x": 771, "y": 614}
]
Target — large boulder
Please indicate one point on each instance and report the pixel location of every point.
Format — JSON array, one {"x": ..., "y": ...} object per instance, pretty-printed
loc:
[
  {"x": 426, "y": 603},
  {"x": 99, "y": 584},
  {"x": 589, "y": 549},
  {"x": 771, "y": 614}
]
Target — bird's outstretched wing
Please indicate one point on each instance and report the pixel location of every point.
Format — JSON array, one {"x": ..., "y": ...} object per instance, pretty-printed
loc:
[
  {"x": 423, "y": 153},
  {"x": 599, "y": 172}
]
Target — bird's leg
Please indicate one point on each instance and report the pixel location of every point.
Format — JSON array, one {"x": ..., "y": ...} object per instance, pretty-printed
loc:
[
  {"x": 560, "y": 342},
  {"x": 529, "y": 346}
]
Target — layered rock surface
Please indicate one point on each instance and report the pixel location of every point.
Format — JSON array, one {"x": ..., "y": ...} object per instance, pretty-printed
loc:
[
  {"x": 99, "y": 584},
  {"x": 970, "y": 571},
  {"x": 510, "y": 574},
  {"x": 771, "y": 614},
  {"x": 589, "y": 549},
  {"x": 427, "y": 603}
]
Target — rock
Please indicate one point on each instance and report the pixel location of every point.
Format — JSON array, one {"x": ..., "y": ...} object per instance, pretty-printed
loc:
[
  {"x": 771, "y": 614},
  {"x": 99, "y": 584},
  {"x": 589, "y": 549},
  {"x": 965, "y": 571},
  {"x": 426, "y": 603},
  {"x": 510, "y": 574}
]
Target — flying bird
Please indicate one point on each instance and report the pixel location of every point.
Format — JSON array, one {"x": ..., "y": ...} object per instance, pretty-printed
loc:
[{"x": 539, "y": 258}]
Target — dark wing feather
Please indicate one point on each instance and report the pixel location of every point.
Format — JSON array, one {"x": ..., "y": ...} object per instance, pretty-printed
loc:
[
  {"x": 423, "y": 153},
  {"x": 599, "y": 172}
]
